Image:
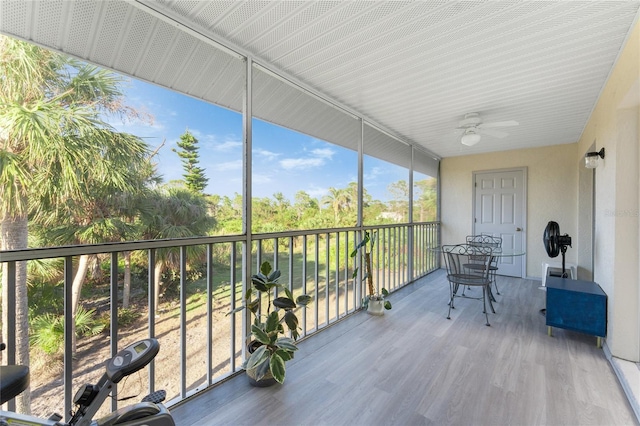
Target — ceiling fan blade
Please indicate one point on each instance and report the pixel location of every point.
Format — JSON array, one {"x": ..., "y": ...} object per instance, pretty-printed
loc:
[
  {"x": 494, "y": 133},
  {"x": 498, "y": 124}
]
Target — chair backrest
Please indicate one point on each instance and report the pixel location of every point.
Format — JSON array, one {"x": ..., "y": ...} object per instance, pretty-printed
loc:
[
  {"x": 467, "y": 259},
  {"x": 484, "y": 240}
]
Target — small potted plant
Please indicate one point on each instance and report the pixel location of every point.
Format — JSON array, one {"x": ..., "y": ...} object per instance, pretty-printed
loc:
[
  {"x": 374, "y": 303},
  {"x": 269, "y": 346}
]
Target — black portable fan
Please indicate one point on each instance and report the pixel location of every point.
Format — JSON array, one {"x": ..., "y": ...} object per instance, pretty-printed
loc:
[{"x": 555, "y": 243}]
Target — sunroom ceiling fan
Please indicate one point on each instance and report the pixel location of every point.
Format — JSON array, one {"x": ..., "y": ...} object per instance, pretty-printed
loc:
[{"x": 474, "y": 128}]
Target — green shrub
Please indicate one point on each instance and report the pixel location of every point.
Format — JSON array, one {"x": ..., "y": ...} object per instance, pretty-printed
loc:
[
  {"x": 126, "y": 317},
  {"x": 47, "y": 333},
  {"x": 86, "y": 323},
  {"x": 47, "y": 330},
  {"x": 45, "y": 297}
]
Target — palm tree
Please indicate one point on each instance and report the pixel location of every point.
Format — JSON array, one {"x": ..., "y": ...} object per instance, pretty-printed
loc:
[
  {"x": 103, "y": 215},
  {"x": 337, "y": 199},
  {"x": 175, "y": 213},
  {"x": 52, "y": 138},
  {"x": 400, "y": 192}
]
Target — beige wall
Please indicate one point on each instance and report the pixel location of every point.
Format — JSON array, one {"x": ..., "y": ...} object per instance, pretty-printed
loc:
[
  {"x": 552, "y": 174},
  {"x": 614, "y": 125},
  {"x": 557, "y": 185}
]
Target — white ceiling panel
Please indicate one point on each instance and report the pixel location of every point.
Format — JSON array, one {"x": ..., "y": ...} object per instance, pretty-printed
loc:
[{"x": 411, "y": 68}]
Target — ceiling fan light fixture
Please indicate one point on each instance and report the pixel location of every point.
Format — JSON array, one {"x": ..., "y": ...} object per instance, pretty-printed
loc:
[
  {"x": 591, "y": 159},
  {"x": 470, "y": 138}
]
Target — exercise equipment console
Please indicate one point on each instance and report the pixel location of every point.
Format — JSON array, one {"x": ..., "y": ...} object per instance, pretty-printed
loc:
[{"x": 89, "y": 398}]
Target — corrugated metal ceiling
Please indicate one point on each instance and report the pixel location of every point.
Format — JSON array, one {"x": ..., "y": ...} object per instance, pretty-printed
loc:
[{"x": 413, "y": 68}]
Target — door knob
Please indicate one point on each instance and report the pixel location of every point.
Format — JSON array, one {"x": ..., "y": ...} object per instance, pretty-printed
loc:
[{"x": 518, "y": 229}]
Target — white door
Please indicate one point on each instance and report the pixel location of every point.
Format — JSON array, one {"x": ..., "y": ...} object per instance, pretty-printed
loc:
[{"x": 499, "y": 204}]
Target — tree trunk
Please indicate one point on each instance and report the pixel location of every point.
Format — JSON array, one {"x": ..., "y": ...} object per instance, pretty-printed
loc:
[
  {"x": 126, "y": 288},
  {"x": 157, "y": 276},
  {"x": 96, "y": 270},
  {"x": 76, "y": 289},
  {"x": 13, "y": 233}
]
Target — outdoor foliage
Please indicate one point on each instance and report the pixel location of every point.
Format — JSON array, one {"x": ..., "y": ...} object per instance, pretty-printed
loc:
[
  {"x": 68, "y": 177},
  {"x": 194, "y": 176},
  {"x": 48, "y": 329}
]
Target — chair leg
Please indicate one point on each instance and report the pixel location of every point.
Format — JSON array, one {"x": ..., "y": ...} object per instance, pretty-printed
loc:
[
  {"x": 491, "y": 299},
  {"x": 484, "y": 303},
  {"x": 451, "y": 297},
  {"x": 495, "y": 282},
  {"x": 491, "y": 296}
]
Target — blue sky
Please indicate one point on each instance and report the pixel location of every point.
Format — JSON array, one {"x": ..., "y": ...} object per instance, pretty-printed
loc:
[{"x": 284, "y": 161}]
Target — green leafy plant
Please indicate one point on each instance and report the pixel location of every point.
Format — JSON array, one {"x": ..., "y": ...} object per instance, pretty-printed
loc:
[
  {"x": 47, "y": 333},
  {"x": 272, "y": 348},
  {"x": 366, "y": 245},
  {"x": 86, "y": 322},
  {"x": 47, "y": 330},
  {"x": 126, "y": 317}
]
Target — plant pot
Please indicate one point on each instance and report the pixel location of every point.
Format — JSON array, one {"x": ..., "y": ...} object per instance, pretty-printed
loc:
[
  {"x": 267, "y": 380},
  {"x": 376, "y": 307}
]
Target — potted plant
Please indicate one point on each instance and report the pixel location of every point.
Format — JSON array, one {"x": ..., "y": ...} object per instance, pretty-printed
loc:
[
  {"x": 269, "y": 346},
  {"x": 374, "y": 303}
]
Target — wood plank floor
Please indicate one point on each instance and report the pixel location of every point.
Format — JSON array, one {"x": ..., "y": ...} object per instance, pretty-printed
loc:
[{"x": 413, "y": 367}]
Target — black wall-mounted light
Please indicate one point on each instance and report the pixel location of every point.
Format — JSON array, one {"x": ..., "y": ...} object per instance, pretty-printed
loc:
[{"x": 591, "y": 159}]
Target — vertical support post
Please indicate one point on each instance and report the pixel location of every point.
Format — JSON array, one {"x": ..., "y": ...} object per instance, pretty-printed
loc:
[
  {"x": 316, "y": 275},
  {"x": 359, "y": 283},
  {"x": 346, "y": 272},
  {"x": 233, "y": 278},
  {"x": 210, "y": 312},
  {"x": 183, "y": 322},
  {"x": 68, "y": 333},
  {"x": 152, "y": 311},
  {"x": 304, "y": 283},
  {"x": 438, "y": 214},
  {"x": 327, "y": 250},
  {"x": 10, "y": 293},
  {"x": 247, "y": 136},
  {"x": 114, "y": 321},
  {"x": 337, "y": 298},
  {"x": 410, "y": 242}
]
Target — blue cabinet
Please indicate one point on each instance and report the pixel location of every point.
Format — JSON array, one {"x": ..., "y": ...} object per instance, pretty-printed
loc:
[{"x": 576, "y": 305}]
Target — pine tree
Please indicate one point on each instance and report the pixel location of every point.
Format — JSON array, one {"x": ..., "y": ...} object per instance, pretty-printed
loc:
[{"x": 194, "y": 176}]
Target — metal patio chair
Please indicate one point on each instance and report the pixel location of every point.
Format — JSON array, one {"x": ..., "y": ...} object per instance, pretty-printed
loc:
[
  {"x": 488, "y": 241},
  {"x": 457, "y": 259}
]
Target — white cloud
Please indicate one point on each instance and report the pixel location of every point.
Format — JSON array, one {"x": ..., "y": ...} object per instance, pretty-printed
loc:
[
  {"x": 316, "y": 160},
  {"x": 323, "y": 153},
  {"x": 316, "y": 191},
  {"x": 227, "y": 145},
  {"x": 301, "y": 163},
  {"x": 269, "y": 155},
  {"x": 229, "y": 165},
  {"x": 374, "y": 173}
]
